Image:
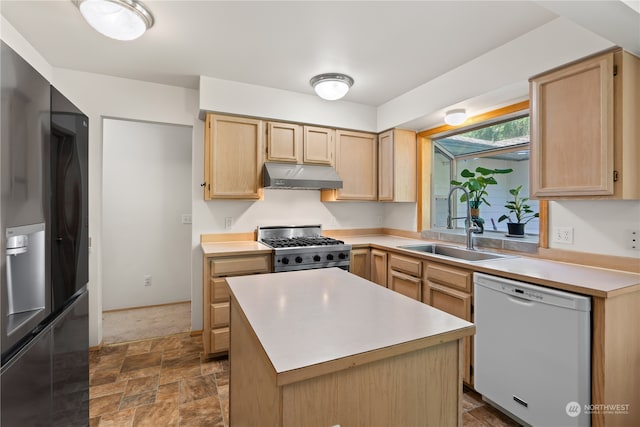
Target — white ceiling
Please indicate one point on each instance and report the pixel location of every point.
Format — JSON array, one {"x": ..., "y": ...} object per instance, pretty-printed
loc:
[{"x": 389, "y": 47}]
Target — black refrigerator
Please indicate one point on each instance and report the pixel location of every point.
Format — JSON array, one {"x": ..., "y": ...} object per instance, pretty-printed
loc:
[{"x": 44, "y": 333}]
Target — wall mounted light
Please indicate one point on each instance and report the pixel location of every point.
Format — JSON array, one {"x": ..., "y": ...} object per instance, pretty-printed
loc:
[
  {"x": 117, "y": 19},
  {"x": 331, "y": 86},
  {"x": 455, "y": 117}
]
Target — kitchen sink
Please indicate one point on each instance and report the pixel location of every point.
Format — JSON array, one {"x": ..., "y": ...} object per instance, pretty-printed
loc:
[{"x": 454, "y": 252}]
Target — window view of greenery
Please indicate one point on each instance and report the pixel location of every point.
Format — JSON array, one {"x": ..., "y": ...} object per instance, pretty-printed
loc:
[{"x": 503, "y": 145}]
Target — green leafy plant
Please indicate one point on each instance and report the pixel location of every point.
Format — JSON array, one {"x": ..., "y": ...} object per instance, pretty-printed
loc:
[
  {"x": 476, "y": 184},
  {"x": 518, "y": 206}
]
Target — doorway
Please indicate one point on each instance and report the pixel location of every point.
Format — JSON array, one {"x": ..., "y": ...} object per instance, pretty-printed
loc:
[{"x": 146, "y": 217}]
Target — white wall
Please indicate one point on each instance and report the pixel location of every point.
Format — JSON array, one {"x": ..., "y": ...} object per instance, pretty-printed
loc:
[
  {"x": 259, "y": 101},
  {"x": 100, "y": 96},
  {"x": 599, "y": 226},
  {"x": 146, "y": 189}
]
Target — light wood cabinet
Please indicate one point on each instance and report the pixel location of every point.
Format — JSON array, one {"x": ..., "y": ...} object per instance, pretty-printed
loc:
[
  {"x": 379, "y": 267},
  {"x": 357, "y": 165},
  {"x": 450, "y": 289},
  {"x": 233, "y": 157},
  {"x": 397, "y": 166},
  {"x": 405, "y": 276},
  {"x": 359, "y": 264},
  {"x": 319, "y": 145},
  {"x": 585, "y": 125},
  {"x": 284, "y": 142},
  {"x": 216, "y": 297}
]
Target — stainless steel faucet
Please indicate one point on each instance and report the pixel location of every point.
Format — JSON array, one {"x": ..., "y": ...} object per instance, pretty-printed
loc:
[{"x": 469, "y": 228}]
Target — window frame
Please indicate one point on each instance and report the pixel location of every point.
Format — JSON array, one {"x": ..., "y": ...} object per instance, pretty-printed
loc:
[{"x": 425, "y": 149}]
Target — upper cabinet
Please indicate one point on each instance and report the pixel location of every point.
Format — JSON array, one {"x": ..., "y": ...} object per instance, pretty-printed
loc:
[
  {"x": 319, "y": 145},
  {"x": 284, "y": 142},
  {"x": 289, "y": 142},
  {"x": 233, "y": 157},
  {"x": 357, "y": 165},
  {"x": 585, "y": 127},
  {"x": 397, "y": 166}
]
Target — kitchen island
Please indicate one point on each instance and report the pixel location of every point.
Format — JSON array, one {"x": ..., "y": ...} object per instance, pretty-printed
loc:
[{"x": 325, "y": 347}]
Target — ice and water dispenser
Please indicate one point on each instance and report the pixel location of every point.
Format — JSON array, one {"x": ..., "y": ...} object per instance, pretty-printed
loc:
[{"x": 25, "y": 281}]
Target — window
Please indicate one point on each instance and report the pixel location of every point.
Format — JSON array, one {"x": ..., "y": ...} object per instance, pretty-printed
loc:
[{"x": 499, "y": 145}]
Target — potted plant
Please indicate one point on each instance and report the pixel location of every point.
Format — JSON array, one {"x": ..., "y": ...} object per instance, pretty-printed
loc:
[
  {"x": 518, "y": 206},
  {"x": 476, "y": 184}
]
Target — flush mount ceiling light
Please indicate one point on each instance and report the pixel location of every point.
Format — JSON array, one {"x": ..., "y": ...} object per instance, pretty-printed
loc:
[
  {"x": 455, "y": 117},
  {"x": 331, "y": 86},
  {"x": 118, "y": 19}
]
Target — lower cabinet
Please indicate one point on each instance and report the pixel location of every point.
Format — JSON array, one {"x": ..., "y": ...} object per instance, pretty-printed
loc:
[
  {"x": 215, "y": 325},
  {"x": 450, "y": 289},
  {"x": 359, "y": 262},
  {"x": 379, "y": 265},
  {"x": 405, "y": 276}
]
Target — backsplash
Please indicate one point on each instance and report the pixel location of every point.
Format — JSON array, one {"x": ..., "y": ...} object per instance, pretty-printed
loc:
[{"x": 599, "y": 226}]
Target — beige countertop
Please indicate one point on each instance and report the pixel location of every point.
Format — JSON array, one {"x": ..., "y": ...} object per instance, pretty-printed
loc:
[
  {"x": 586, "y": 280},
  {"x": 310, "y": 317},
  {"x": 570, "y": 277},
  {"x": 234, "y": 248}
]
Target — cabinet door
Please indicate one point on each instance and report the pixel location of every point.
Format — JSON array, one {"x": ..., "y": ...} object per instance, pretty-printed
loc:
[
  {"x": 572, "y": 130},
  {"x": 319, "y": 145},
  {"x": 357, "y": 165},
  {"x": 359, "y": 263},
  {"x": 385, "y": 166},
  {"x": 233, "y": 157},
  {"x": 379, "y": 267},
  {"x": 457, "y": 304},
  {"x": 405, "y": 284},
  {"x": 284, "y": 142}
]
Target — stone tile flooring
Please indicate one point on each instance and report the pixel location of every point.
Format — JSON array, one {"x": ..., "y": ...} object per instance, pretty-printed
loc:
[
  {"x": 157, "y": 382},
  {"x": 162, "y": 382}
]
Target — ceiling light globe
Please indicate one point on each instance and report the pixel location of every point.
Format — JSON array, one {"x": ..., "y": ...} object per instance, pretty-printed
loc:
[
  {"x": 117, "y": 19},
  {"x": 455, "y": 117},
  {"x": 331, "y": 86}
]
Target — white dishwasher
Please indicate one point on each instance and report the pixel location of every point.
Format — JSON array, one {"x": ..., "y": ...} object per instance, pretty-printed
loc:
[{"x": 532, "y": 351}]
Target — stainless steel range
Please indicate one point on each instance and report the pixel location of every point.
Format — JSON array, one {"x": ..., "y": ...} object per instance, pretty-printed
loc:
[{"x": 302, "y": 247}]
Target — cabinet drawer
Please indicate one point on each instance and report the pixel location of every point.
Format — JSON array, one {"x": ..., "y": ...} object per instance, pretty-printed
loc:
[
  {"x": 451, "y": 301},
  {"x": 240, "y": 265},
  {"x": 407, "y": 265},
  {"x": 219, "y": 289},
  {"x": 219, "y": 340},
  {"x": 406, "y": 285},
  {"x": 454, "y": 278},
  {"x": 219, "y": 314}
]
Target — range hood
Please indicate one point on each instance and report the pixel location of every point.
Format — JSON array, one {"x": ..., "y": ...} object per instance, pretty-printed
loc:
[{"x": 294, "y": 176}]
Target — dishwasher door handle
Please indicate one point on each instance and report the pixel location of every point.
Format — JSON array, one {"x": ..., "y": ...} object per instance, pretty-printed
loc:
[{"x": 522, "y": 301}]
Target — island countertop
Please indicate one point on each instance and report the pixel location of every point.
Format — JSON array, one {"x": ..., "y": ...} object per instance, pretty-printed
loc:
[{"x": 331, "y": 318}]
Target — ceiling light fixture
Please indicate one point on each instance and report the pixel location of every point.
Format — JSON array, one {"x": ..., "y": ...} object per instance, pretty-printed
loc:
[
  {"x": 331, "y": 86},
  {"x": 455, "y": 117},
  {"x": 117, "y": 19}
]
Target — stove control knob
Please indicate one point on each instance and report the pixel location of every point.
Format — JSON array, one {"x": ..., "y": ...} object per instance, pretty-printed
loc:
[
  {"x": 316, "y": 258},
  {"x": 298, "y": 259},
  {"x": 285, "y": 260},
  {"x": 342, "y": 256},
  {"x": 330, "y": 257}
]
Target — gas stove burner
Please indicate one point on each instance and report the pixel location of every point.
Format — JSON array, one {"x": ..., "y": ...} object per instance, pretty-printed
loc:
[
  {"x": 303, "y": 247},
  {"x": 295, "y": 242}
]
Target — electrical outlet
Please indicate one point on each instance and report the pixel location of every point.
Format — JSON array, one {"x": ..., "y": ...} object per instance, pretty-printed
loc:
[
  {"x": 228, "y": 222},
  {"x": 633, "y": 239},
  {"x": 185, "y": 218},
  {"x": 147, "y": 280},
  {"x": 379, "y": 220},
  {"x": 563, "y": 235}
]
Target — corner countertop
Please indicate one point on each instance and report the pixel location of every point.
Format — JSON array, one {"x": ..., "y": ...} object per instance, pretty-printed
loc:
[{"x": 311, "y": 317}]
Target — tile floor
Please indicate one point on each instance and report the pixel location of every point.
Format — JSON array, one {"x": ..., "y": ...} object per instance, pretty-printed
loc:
[
  {"x": 145, "y": 322},
  {"x": 162, "y": 382}
]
